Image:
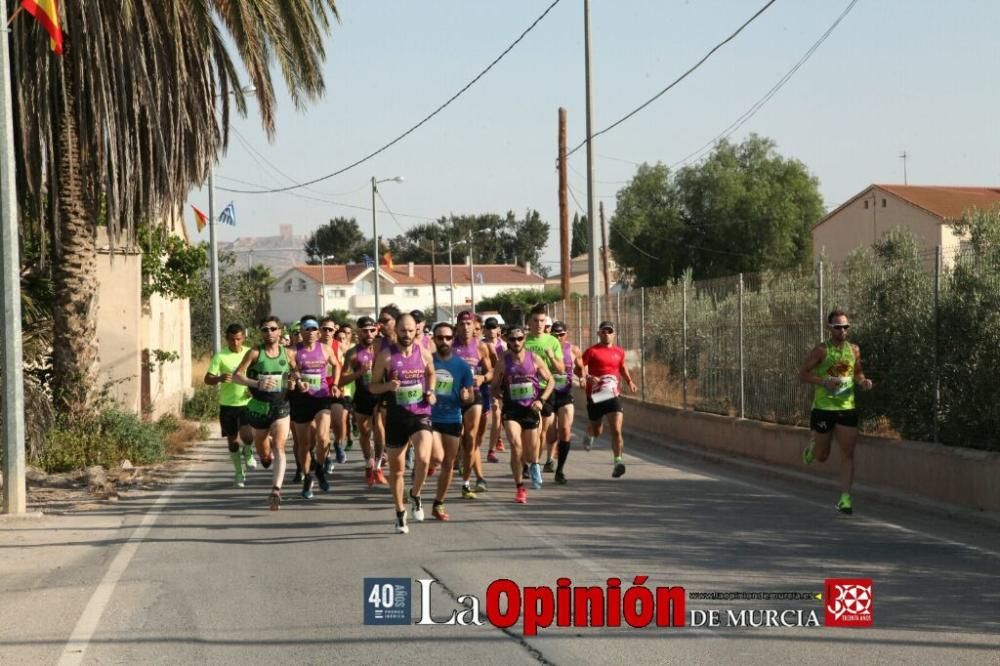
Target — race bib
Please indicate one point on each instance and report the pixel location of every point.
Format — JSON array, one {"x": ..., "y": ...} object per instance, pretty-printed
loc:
[
  {"x": 313, "y": 381},
  {"x": 562, "y": 381},
  {"x": 444, "y": 382},
  {"x": 606, "y": 389},
  {"x": 367, "y": 377},
  {"x": 846, "y": 384},
  {"x": 276, "y": 381},
  {"x": 523, "y": 391},
  {"x": 258, "y": 407},
  {"x": 409, "y": 395}
]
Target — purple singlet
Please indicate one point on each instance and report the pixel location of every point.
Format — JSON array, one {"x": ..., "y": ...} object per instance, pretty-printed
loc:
[
  {"x": 520, "y": 378},
  {"x": 312, "y": 368},
  {"x": 410, "y": 371}
]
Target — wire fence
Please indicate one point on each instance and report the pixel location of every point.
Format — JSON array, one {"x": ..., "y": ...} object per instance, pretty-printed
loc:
[{"x": 927, "y": 323}]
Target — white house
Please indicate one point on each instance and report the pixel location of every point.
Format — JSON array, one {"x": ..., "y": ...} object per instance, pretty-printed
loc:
[{"x": 307, "y": 289}]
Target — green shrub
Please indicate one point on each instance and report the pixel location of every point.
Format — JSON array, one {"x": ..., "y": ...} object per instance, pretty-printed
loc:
[
  {"x": 203, "y": 405},
  {"x": 105, "y": 438}
]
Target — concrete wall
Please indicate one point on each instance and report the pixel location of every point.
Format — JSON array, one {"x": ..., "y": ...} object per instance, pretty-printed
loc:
[
  {"x": 962, "y": 477},
  {"x": 119, "y": 323},
  {"x": 166, "y": 325}
]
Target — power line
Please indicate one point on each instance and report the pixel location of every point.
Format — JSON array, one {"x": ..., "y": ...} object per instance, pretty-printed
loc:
[
  {"x": 623, "y": 237},
  {"x": 678, "y": 79},
  {"x": 749, "y": 113},
  {"x": 419, "y": 124}
]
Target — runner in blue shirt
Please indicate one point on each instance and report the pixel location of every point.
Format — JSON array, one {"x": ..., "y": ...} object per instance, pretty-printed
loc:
[{"x": 455, "y": 389}]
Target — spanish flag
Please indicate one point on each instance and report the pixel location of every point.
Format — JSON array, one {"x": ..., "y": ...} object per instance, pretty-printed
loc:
[
  {"x": 200, "y": 219},
  {"x": 387, "y": 261},
  {"x": 46, "y": 12}
]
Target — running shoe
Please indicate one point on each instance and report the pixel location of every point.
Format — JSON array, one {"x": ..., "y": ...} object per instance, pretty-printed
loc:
[
  {"x": 807, "y": 455},
  {"x": 525, "y": 469},
  {"x": 492, "y": 457},
  {"x": 560, "y": 478},
  {"x": 240, "y": 480},
  {"x": 467, "y": 493},
  {"x": 275, "y": 499},
  {"x": 522, "y": 496},
  {"x": 619, "y": 470},
  {"x": 265, "y": 461},
  {"x": 248, "y": 459},
  {"x": 481, "y": 486},
  {"x": 500, "y": 448},
  {"x": 844, "y": 505},
  {"x": 350, "y": 445},
  {"x": 588, "y": 442},
  {"x": 328, "y": 466},
  {"x": 430, "y": 470},
  {"x": 307, "y": 487},
  {"x": 549, "y": 466},
  {"x": 439, "y": 513},
  {"x": 298, "y": 476},
  {"x": 324, "y": 484},
  {"x": 416, "y": 508},
  {"x": 536, "y": 476},
  {"x": 370, "y": 476},
  {"x": 401, "y": 526},
  {"x": 380, "y": 477},
  {"x": 339, "y": 451}
]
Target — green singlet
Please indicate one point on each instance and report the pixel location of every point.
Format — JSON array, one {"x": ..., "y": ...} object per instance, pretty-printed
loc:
[{"x": 838, "y": 364}]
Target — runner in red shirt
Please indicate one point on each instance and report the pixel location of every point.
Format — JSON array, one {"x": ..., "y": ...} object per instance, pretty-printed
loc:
[{"x": 602, "y": 365}]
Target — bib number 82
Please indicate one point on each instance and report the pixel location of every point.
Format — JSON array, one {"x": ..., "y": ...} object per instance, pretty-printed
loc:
[{"x": 382, "y": 596}]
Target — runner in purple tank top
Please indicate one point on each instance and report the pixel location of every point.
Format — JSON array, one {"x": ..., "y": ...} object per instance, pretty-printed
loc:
[
  {"x": 358, "y": 369},
  {"x": 470, "y": 348},
  {"x": 517, "y": 379},
  {"x": 409, "y": 381},
  {"x": 491, "y": 405},
  {"x": 310, "y": 404},
  {"x": 562, "y": 400}
]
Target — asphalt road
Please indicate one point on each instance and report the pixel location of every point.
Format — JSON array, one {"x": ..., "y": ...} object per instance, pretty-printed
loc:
[{"x": 203, "y": 573}]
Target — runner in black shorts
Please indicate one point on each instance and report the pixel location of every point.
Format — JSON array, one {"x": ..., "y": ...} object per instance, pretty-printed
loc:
[
  {"x": 603, "y": 365},
  {"x": 358, "y": 369},
  {"x": 561, "y": 431}
]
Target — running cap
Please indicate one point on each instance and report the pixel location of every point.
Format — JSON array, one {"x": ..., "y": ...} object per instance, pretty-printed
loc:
[
  {"x": 558, "y": 327},
  {"x": 606, "y": 324},
  {"x": 465, "y": 315},
  {"x": 310, "y": 325},
  {"x": 294, "y": 326},
  {"x": 366, "y": 322},
  {"x": 491, "y": 322}
]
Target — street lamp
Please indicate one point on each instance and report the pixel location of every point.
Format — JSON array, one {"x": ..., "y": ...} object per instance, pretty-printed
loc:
[
  {"x": 375, "y": 183},
  {"x": 472, "y": 274},
  {"x": 322, "y": 270},
  {"x": 213, "y": 245}
]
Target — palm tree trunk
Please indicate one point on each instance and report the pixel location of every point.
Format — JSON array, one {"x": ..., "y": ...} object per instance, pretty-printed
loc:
[{"x": 75, "y": 346}]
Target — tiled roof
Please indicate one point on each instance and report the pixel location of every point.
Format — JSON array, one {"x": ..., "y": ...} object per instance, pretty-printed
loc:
[
  {"x": 946, "y": 202},
  {"x": 492, "y": 274}
]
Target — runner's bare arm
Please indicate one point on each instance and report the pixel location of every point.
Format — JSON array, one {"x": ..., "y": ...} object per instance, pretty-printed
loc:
[
  {"x": 497, "y": 384},
  {"x": 556, "y": 361},
  {"x": 240, "y": 376},
  {"x": 859, "y": 373},
  {"x": 806, "y": 374},
  {"x": 623, "y": 370},
  {"x": 334, "y": 361},
  {"x": 543, "y": 371},
  {"x": 487, "y": 358},
  {"x": 381, "y": 363},
  {"x": 429, "y": 377}
]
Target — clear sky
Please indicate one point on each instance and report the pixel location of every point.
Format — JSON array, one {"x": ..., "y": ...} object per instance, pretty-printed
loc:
[{"x": 913, "y": 75}]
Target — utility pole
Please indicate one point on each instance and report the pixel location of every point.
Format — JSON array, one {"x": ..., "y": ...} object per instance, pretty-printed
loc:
[
  {"x": 15, "y": 495},
  {"x": 903, "y": 157},
  {"x": 472, "y": 276},
  {"x": 564, "y": 258},
  {"x": 451, "y": 281},
  {"x": 378, "y": 261},
  {"x": 434, "y": 289},
  {"x": 591, "y": 218},
  {"x": 604, "y": 252}
]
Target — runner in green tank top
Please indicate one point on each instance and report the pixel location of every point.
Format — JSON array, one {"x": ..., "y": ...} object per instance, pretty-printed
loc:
[{"x": 834, "y": 368}]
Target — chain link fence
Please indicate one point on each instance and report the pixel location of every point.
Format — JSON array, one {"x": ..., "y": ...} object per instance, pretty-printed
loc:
[{"x": 927, "y": 323}]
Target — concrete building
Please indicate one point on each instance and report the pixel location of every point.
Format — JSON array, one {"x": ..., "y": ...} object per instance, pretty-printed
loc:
[
  {"x": 926, "y": 211},
  {"x": 579, "y": 280},
  {"x": 279, "y": 253},
  {"x": 131, "y": 331},
  {"x": 308, "y": 289}
]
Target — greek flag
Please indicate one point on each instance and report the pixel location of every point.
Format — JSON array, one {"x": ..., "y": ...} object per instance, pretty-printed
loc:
[
  {"x": 369, "y": 262},
  {"x": 228, "y": 215}
]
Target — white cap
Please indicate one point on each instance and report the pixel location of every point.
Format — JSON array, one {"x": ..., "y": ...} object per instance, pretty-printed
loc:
[{"x": 548, "y": 320}]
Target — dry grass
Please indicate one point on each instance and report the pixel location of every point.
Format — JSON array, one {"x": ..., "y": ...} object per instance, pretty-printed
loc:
[
  {"x": 665, "y": 388},
  {"x": 880, "y": 427},
  {"x": 199, "y": 366},
  {"x": 188, "y": 433}
]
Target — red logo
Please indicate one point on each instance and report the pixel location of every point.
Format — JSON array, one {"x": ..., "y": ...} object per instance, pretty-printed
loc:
[{"x": 848, "y": 602}]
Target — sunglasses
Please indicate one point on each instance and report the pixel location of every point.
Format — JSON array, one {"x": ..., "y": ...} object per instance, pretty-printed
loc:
[
  {"x": 367, "y": 330},
  {"x": 607, "y": 330},
  {"x": 446, "y": 338},
  {"x": 269, "y": 329},
  {"x": 842, "y": 327},
  {"x": 519, "y": 338},
  {"x": 329, "y": 329},
  {"x": 310, "y": 330}
]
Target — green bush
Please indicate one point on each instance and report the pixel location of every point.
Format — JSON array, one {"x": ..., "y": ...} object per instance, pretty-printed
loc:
[
  {"x": 203, "y": 405},
  {"x": 105, "y": 438}
]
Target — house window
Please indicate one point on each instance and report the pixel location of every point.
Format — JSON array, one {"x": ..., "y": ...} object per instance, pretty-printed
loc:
[
  {"x": 883, "y": 203},
  {"x": 866, "y": 203},
  {"x": 411, "y": 291},
  {"x": 336, "y": 293},
  {"x": 302, "y": 284},
  {"x": 288, "y": 285}
]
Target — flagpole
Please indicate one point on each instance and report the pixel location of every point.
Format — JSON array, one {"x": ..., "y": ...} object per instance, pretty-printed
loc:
[
  {"x": 15, "y": 496},
  {"x": 213, "y": 256}
]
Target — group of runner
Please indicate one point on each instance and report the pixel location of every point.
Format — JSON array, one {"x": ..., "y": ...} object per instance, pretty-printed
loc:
[{"x": 419, "y": 398}]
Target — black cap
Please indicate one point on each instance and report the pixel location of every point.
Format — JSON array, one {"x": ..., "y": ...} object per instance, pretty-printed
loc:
[
  {"x": 366, "y": 322},
  {"x": 558, "y": 327},
  {"x": 418, "y": 315},
  {"x": 491, "y": 322},
  {"x": 606, "y": 324}
]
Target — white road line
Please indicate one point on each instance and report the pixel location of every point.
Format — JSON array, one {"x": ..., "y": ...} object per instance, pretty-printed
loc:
[
  {"x": 85, "y": 627},
  {"x": 717, "y": 476}
]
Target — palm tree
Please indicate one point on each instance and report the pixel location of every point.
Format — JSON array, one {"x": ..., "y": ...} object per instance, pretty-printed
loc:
[
  {"x": 130, "y": 118},
  {"x": 259, "y": 281}
]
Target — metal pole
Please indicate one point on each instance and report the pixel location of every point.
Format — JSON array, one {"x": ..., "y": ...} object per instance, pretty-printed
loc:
[
  {"x": 937, "y": 337},
  {"x": 592, "y": 220},
  {"x": 451, "y": 281},
  {"x": 579, "y": 322},
  {"x": 375, "y": 241},
  {"x": 213, "y": 254},
  {"x": 819, "y": 300},
  {"x": 684, "y": 340},
  {"x": 642, "y": 342},
  {"x": 472, "y": 276},
  {"x": 15, "y": 496},
  {"x": 618, "y": 310},
  {"x": 434, "y": 288},
  {"x": 250, "y": 259},
  {"x": 742, "y": 364},
  {"x": 564, "y": 258},
  {"x": 322, "y": 271}
]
